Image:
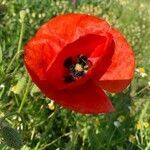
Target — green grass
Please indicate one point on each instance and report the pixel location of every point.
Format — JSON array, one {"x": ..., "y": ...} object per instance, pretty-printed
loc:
[{"x": 126, "y": 129}]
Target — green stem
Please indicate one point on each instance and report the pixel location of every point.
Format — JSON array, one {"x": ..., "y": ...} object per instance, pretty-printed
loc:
[
  {"x": 140, "y": 121},
  {"x": 11, "y": 62},
  {"x": 37, "y": 146},
  {"x": 142, "y": 90},
  {"x": 16, "y": 99},
  {"x": 54, "y": 141},
  {"x": 21, "y": 37},
  {"x": 24, "y": 96},
  {"x": 18, "y": 48},
  {"x": 12, "y": 114},
  {"x": 144, "y": 111},
  {"x": 111, "y": 138},
  {"x": 148, "y": 147}
]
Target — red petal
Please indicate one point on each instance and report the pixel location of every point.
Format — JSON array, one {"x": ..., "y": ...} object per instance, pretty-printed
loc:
[
  {"x": 56, "y": 71},
  {"x": 88, "y": 99},
  {"x": 102, "y": 56},
  {"x": 38, "y": 54},
  {"x": 60, "y": 32},
  {"x": 120, "y": 72},
  {"x": 70, "y": 27},
  {"x": 43, "y": 84}
]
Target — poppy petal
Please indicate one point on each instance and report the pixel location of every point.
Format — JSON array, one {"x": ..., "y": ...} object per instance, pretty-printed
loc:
[
  {"x": 70, "y": 27},
  {"x": 43, "y": 84},
  {"x": 120, "y": 73},
  {"x": 87, "y": 99},
  {"x": 61, "y": 31},
  {"x": 102, "y": 56},
  {"x": 85, "y": 46},
  {"x": 38, "y": 54}
]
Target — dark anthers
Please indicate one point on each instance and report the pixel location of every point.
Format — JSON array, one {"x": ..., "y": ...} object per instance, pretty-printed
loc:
[{"x": 77, "y": 68}]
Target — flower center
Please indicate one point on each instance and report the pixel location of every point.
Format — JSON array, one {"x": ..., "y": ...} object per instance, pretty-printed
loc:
[{"x": 77, "y": 68}]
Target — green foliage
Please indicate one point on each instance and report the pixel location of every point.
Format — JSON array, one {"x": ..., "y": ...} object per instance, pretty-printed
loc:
[
  {"x": 126, "y": 129},
  {"x": 1, "y": 55},
  {"x": 11, "y": 137}
]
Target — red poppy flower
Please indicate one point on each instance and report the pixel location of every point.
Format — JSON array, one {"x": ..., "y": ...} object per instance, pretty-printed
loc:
[{"x": 74, "y": 57}]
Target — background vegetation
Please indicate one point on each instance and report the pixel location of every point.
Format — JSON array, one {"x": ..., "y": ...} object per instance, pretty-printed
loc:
[{"x": 48, "y": 126}]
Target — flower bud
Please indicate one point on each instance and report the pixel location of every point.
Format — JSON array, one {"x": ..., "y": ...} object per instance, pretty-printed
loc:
[{"x": 22, "y": 15}]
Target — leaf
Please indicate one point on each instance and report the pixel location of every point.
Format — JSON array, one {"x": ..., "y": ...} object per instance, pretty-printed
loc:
[
  {"x": 2, "y": 146},
  {"x": 34, "y": 90},
  {"x": 25, "y": 148},
  {"x": 20, "y": 86},
  {"x": 11, "y": 137},
  {"x": 1, "y": 54}
]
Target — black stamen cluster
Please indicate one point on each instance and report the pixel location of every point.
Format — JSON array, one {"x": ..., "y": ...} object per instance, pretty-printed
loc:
[{"x": 70, "y": 65}]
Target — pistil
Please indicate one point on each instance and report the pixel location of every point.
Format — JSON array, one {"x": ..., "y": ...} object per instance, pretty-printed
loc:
[{"x": 77, "y": 68}]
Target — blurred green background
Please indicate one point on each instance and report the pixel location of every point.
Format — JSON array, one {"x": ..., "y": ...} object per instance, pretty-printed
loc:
[{"x": 49, "y": 126}]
